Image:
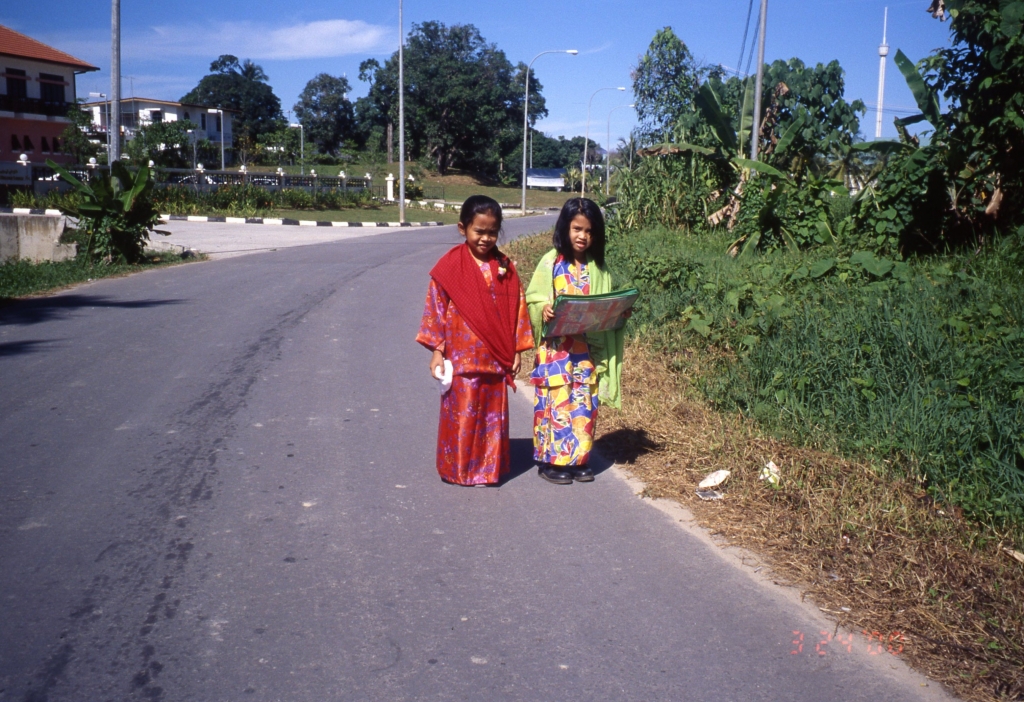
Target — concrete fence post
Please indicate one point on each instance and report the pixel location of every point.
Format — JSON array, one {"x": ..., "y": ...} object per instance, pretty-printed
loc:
[{"x": 391, "y": 187}]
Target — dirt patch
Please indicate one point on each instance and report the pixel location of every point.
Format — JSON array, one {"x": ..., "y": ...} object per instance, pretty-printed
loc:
[
  {"x": 870, "y": 549},
  {"x": 461, "y": 179}
]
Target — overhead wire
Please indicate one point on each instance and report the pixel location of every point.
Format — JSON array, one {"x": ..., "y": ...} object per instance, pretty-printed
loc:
[
  {"x": 753, "y": 42},
  {"x": 746, "y": 31}
]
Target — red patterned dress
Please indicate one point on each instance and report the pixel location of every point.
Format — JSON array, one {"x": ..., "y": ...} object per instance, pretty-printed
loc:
[{"x": 472, "y": 437}]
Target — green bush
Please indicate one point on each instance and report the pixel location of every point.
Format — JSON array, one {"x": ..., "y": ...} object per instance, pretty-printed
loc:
[
  {"x": 917, "y": 364},
  {"x": 254, "y": 201}
]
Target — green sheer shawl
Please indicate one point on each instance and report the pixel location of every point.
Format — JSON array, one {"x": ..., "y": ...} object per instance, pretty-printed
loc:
[{"x": 605, "y": 347}]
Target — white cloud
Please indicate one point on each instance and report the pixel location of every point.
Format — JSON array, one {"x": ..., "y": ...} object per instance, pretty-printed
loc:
[
  {"x": 244, "y": 39},
  {"x": 320, "y": 39}
]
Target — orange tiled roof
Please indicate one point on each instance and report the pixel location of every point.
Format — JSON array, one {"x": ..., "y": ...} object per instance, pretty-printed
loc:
[{"x": 14, "y": 43}]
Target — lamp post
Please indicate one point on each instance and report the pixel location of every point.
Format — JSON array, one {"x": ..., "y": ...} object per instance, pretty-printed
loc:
[
  {"x": 401, "y": 116},
  {"x": 192, "y": 137},
  {"x": 114, "y": 150},
  {"x": 103, "y": 96},
  {"x": 586, "y": 141},
  {"x": 607, "y": 151},
  {"x": 526, "y": 112},
  {"x": 302, "y": 147},
  {"x": 220, "y": 112}
]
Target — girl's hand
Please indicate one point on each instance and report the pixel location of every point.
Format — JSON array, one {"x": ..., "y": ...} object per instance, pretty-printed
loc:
[
  {"x": 548, "y": 313},
  {"x": 436, "y": 361},
  {"x": 517, "y": 363}
]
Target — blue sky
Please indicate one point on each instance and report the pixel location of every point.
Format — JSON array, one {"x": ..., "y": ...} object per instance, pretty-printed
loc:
[{"x": 168, "y": 46}]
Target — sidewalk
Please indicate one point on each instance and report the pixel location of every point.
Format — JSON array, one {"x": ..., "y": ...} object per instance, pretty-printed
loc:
[{"x": 227, "y": 239}]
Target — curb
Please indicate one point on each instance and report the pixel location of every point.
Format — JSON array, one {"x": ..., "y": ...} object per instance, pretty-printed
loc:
[
  {"x": 290, "y": 222},
  {"x": 28, "y": 211},
  {"x": 242, "y": 220}
]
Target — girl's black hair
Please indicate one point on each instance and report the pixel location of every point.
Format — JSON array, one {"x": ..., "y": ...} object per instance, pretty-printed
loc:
[
  {"x": 479, "y": 204},
  {"x": 590, "y": 210}
]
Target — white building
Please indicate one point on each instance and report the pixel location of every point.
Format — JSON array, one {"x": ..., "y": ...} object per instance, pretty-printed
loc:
[
  {"x": 545, "y": 178},
  {"x": 138, "y": 112}
]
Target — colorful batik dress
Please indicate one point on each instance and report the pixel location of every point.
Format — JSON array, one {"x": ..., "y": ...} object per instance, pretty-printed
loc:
[
  {"x": 565, "y": 383},
  {"x": 472, "y": 436}
]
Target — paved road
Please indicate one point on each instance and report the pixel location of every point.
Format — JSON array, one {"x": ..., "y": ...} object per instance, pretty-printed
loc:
[
  {"x": 223, "y": 240},
  {"x": 217, "y": 483}
]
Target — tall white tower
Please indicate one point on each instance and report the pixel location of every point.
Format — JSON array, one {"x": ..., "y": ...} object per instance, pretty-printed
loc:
[{"x": 883, "y": 52}]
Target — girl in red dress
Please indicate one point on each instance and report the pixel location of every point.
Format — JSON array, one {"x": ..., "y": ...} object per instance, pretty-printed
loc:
[{"x": 475, "y": 316}]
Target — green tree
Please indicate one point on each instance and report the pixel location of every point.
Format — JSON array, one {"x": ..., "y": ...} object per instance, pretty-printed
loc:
[
  {"x": 166, "y": 144},
  {"x": 280, "y": 147},
  {"x": 243, "y": 87},
  {"x": 75, "y": 137},
  {"x": 796, "y": 93},
  {"x": 464, "y": 99},
  {"x": 326, "y": 112},
  {"x": 981, "y": 75},
  {"x": 665, "y": 84}
]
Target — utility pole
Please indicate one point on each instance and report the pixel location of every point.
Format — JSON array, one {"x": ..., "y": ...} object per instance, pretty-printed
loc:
[
  {"x": 401, "y": 117},
  {"x": 883, "y": 51},
  {"x": 755, "y": 136},
  {"x": 114, "y": 123}
]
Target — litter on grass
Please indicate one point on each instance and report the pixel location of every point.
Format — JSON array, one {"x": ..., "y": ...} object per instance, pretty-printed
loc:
[
  {"x": 770, "y": 473},
  {"x": 709, "y": 494},
  {"x": 714, "y": 479}
]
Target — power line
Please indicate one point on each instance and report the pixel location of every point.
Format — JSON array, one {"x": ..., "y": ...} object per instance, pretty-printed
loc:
[
  {"x": 746, "y": 31},
  {"x": 753, "y": 42}
]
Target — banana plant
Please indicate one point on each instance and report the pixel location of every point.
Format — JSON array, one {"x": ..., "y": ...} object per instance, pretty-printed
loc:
[{"x": 116, "y": 210}]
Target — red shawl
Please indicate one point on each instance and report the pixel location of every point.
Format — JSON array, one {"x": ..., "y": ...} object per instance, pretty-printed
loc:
[{"x": 492, "y": 318}]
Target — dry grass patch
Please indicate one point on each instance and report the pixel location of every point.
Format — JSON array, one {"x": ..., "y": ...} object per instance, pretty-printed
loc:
[{"x": 871, "y": 549}]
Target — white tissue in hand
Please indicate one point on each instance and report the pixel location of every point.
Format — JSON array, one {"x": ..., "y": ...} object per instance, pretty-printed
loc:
[{"x": 444, "y": 379}]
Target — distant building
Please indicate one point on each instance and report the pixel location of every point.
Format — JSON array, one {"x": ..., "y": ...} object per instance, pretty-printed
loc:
[
  {"x": 138, "y": 112},
  {"x": 36, "y": 91},
  {"x": 545, "y": 178}
]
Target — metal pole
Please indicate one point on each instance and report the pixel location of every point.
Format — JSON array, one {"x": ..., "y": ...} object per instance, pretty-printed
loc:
[
  {"x": 401, "y": 116},
  {"x": 302, "y": 149},
  {"x": 586, "y": 142},
  {"x": 883, "y": 51},
  {"x": 114, "y": 151},
  {"x": 755, "y": 136},
  {"x": 526, "y": 115},
  {"x": 607, "y": 153},
  {"x": 223, "y": 126}
]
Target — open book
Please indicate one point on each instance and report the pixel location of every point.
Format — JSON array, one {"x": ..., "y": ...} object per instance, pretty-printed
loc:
[{"x": 582, "y": 314}]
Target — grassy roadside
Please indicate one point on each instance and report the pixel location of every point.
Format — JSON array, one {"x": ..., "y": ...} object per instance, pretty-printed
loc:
[
  {"x": 870, "y": 548},
  {"x": 22, "y": 278}
]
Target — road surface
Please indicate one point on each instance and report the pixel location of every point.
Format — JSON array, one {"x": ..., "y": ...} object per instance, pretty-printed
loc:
[{"x": 217, "y": 483}]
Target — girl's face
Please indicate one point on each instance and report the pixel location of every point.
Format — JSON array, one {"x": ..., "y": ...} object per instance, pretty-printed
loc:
[
  {"x": 580, "y": 235},
  {"x": 481, "y": 235}
]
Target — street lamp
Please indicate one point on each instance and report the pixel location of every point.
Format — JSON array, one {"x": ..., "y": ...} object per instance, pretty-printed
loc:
[
  {"x": 586, "y": 141},
  {"x": 192, "y": 137},
  {"x": 107, "y": 104},
  {"x": 401, "y": 116},
  {"x": 218, "y": 111},
  {"x": 526, "y": 112},
  {"x": 607, "y": 151},
  {"x": 302, "y": 147}
]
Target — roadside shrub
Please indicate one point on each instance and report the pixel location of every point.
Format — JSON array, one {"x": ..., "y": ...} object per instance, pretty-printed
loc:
[{"x": 915, "y": 363}]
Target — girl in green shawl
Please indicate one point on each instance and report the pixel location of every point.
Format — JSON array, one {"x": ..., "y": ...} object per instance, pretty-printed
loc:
[{"x": 572, "y": 375}]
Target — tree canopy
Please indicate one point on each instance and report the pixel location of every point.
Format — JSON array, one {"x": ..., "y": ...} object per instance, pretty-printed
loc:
[
  {"x": 665, "y": 83},
  {"x": 243, "y": 87},
  {"x": 326, "y": 113},
  {"x": 463, "y": 101}
]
